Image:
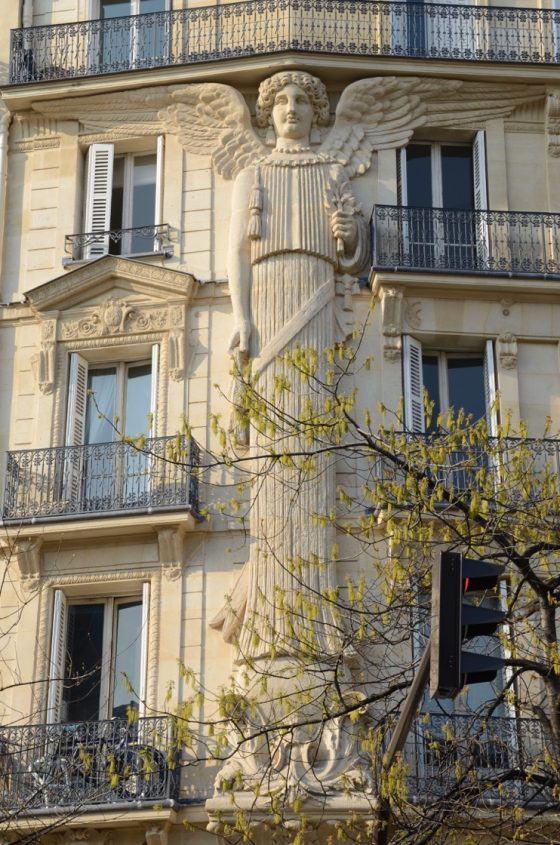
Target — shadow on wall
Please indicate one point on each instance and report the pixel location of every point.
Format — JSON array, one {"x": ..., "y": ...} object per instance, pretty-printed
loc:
[{"x": 4, "y": 68}]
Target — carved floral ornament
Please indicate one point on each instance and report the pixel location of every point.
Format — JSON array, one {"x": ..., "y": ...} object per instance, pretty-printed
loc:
[{"x": 112, "y": 318}]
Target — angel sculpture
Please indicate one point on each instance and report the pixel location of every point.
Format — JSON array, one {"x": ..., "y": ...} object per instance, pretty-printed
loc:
[{"x": 295, "y": 224}]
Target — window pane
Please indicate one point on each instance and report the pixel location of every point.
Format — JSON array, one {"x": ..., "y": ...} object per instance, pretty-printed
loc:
[
  {"x": 117, "y": 203},
  {"x": 84, "y": 650},
  {"x": 138, "y": 396},
  {"x": 419, "y": 175},
  {"x": 114, "y": 8},
  {"x": 466, "y": 385},
  {"x": 430, "y": 377},
  {"x": 128, "y": 639},
  {"x": 152, "y": 6},
  {"x": 143, "y": 200},
  {"x": 457, "y": 177},
  {"x": 101, "y": 403}
]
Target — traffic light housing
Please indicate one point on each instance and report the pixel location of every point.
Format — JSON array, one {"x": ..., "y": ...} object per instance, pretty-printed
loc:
[{"x": 454, "y": 621}]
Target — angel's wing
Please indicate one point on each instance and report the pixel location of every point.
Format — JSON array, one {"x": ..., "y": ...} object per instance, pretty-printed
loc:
[
  {"x": 123, "y": 114},
  {"x": 207, "y": 118},
  {"x": 210, "y": 117},
  {"x": 383, "y": 112}
]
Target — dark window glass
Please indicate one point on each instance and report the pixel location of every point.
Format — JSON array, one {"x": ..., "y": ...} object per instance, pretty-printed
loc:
[
  {"x": 466, "y": 385},
  {"x": 457, "y": 177},
  {"x": 127, "y": 658},
  {"x": 83, "y": 662},
  {"x": 430, "y": 377},
  {"x": 419, "y": 175},
  {"x": 117, "y": 204}
]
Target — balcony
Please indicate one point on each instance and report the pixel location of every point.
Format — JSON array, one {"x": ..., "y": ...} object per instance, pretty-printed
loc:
[
  {"x": 141, "y": 240},
  {"x": 101, "y": 479},
  {"x": 80, "y": 766},
  {"x": 441, "y": 750},
  {"x": 497, "y": 243},
  {"x": 263, "y": 27}
]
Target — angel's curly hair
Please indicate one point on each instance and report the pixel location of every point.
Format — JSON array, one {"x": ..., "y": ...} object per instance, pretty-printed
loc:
[{"x": 312, "y": 86}]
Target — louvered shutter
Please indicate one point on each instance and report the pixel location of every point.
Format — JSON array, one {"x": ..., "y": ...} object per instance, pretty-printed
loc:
[
  {"x": 413, "y": 385},
  {"x": 75, "y": 427},
  {"x": 402, "y": 187},
  {"x": 98, "y": 197},
  {"x": 57, "y": 666},
  {"x": 403, "y": 234},
  {"x": 144, "y": 647},
  {"x": 490, "y": 389},
  {"x": 481, "y": 199}
]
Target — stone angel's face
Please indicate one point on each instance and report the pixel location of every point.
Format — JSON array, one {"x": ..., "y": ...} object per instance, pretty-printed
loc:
[{"x": 292, "y": 113}]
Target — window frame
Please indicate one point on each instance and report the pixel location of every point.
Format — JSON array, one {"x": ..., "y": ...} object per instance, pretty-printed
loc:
[
  {"x": 98, "y": 194},
  {"x": 62, "y": 601}
]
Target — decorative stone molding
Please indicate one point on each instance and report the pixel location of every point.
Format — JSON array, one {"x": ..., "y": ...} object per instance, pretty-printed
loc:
[
  {"x": 413, "y": 313},
  {"x": 170, "y": 543},
  {"x": 83, "y": 282},
  {"x": 506, "y": 306},
  {"x": 33, "y": 133},
  {"x": 391, "y": 322},
  {"x": 26, "y": 552},
  {"x": 507, "y": 351},
  {"x": 553, "y": 122},
  {"x": 114, "y": 317},
  {"x": 43, "y": 363},
  {"x": 156, "y": 836}
]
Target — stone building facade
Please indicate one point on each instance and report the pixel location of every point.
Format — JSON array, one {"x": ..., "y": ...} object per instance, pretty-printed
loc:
[{"x": 117, "y": 202}]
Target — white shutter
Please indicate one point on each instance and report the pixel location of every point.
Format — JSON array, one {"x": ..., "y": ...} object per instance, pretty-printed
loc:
[
  {"x": 98, "y": 196},
  {"x": 57, "y": 666},
  {"x": 403, "y": 233},
  {"x": 154, "y": 389},
  {"x": 158, "y": 211},
  {"x": 413, "y": 385},
  {"x": 490, "y": 389},
  {"x": 144, "y": 647},
  {"x": 75, "y": 426}
]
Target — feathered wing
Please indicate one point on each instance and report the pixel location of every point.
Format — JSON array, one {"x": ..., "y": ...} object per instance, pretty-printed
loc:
[
  {"x": 123, "y": 114},
  {"x": 383, "y": 112},
  {"x": 208, "y": 118},
  {"x": 214, "y": 118}
]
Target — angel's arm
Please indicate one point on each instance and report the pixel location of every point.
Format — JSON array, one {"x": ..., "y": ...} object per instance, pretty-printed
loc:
[{"x": 239, "y": 263}]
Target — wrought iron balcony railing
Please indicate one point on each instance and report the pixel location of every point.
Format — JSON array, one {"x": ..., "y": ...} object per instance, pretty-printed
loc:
[
  {"x": 86, "y": 764},
  {"x": 139, "y": 240},
  {"x": 512, "y": 243},
  {"x": 100, "y": 479},
  {"x": 261, "y": 27},
  {"x": 441, "y": 750},
  {"x": 515, "y": 469}
]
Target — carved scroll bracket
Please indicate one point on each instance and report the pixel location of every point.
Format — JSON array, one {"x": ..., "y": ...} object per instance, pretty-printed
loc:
[
  {"x": 26, "y": 553},
  {"x": 157, "y": 835},
  {"x": 176, "y": 342},
  {"x": 392, "y": 322},
  {"x": 507, "y": 351},
  {"x": 346, "y": 287},
  {"x": 43, "y": 363},
  {"x": 171, "y": 554}
]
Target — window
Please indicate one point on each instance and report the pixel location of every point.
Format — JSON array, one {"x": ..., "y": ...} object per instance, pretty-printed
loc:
[
  {"x": 123, "y": 202},
  {"x": 452, "y": 379},
  {"x": 107, "y": 474},
  {"x": 132, "y": 42},
  {"x": 442, "y": 185},
  {"x": 98, "y": 657}
]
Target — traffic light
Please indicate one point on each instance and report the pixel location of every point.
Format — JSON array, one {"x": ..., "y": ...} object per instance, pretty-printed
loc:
[{"x": 455, "y": 620}]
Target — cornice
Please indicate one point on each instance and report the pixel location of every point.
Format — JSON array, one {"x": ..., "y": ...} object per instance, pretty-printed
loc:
[
  {"x": 456, "y": 286},
  {"x": 99, "y": 276}
]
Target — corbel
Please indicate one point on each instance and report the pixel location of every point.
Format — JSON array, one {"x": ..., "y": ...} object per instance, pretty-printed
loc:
[
  {"x": 176, "y": 342},
  {"x": 391, "y": 322},
  {"x": 26, "y": 552},
  {"x": 156, "y": 835},
  {"x": 553, "y": 122},
  {"x": 170, "y": 547},
  {"x": 507, "y": 351}
]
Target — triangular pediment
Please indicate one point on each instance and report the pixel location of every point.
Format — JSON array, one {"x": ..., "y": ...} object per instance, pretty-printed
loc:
[{"x": 111, "y": 275}]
